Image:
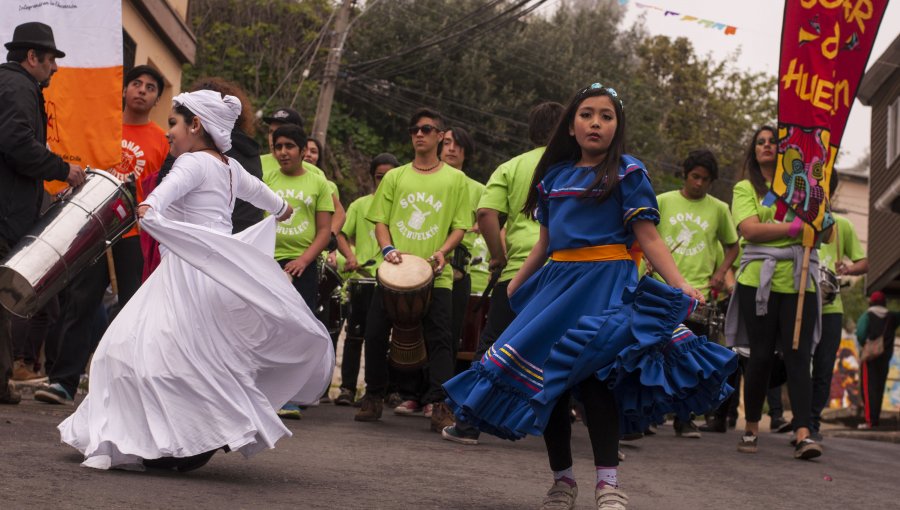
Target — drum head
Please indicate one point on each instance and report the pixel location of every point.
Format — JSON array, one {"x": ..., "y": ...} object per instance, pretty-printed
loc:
[{"x": 413, "y": 273}]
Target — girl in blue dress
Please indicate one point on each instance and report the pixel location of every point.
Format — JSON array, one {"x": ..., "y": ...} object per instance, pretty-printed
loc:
[{"x": 584, "y": 323}]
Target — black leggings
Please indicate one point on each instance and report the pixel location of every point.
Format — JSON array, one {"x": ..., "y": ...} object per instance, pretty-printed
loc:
[
  {"x": 775, "y": 331},
  {"x": 601, "y": 416}
]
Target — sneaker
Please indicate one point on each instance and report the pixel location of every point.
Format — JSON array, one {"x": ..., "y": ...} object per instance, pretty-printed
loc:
[
  {"x": 345, "y": 397},
  {"x": 408, "y": 408},
  {"x": 325, "y": 399},
  {"x": 816, "y": 436},
  {"x": 621, "y": 455},
  {"x": 452, "y": 433},
  {"x": 687, "y": 429},
  {"x": 23, "y": 372},
  {"x": 441, "y": 417},
  {"x": 863, "y": 426},
  {"x": 651, "y": 430},
  {"x": 779, "y": 425},
  {"x": 427, "y": 410},
  {"x": 289, "y": 412},
  {"x": 749, "y": 443},
  {"x": 11, "y": 396},
  {"x": 632, "y": 436},
  {"x": 54, "y": 394},
  {"x": 610, "y": 498},
  {"x": 807, "y": 449},
  {"x": 393, "y": 400},
  {"x": 370, "y": 409},
  {"x": 560, "y": 497}
]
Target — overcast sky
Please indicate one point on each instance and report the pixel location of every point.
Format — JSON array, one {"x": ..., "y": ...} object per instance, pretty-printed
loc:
[{"x": 758, "y": 38}]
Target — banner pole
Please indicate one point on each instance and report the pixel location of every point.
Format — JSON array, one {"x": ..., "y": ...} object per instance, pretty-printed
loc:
[{"x": 809, "y": 238}]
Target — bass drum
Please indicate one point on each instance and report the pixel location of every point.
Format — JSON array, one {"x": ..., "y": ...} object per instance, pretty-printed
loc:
[
  {"x": 406, "y": 291},
  {"x": 70, "y": 236}
]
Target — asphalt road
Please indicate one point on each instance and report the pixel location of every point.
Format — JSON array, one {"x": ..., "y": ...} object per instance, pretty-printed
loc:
[{"x": 332, "y": 462}]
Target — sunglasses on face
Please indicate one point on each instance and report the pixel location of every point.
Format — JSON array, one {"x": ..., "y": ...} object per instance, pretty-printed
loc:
[
  {"x": 763, "y": 141},
  {"x": 426, "y": 129}
]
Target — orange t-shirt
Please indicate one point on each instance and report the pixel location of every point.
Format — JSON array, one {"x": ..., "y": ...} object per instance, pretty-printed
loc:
[{"x": 144, "y": 148}]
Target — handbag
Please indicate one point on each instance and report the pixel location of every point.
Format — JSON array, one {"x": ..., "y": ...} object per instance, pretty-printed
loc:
[{"x": 873, "y": 348}]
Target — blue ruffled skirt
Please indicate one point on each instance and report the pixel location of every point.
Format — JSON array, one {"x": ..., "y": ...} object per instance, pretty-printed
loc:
[{"x": 580, "y": 325}]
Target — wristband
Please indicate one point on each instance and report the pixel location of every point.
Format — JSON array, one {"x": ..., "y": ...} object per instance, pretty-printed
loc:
[
  {"x": 387, "y": 249},
  {"x": 796, "y": 227}
]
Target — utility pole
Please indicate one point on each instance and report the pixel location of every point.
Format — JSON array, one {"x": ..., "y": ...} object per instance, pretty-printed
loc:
[{"x": 329, "y": 81}]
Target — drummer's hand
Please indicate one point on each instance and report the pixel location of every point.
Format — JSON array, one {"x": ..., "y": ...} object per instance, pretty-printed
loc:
[
  {"x": 76, "y": 175},
  {"x": 439, "y": 261},
  {"x": 142, "y": 210},
  {"x": 692, "y": 292},
  {"x": 351, "y": 264},
  {"x": 841, "y": 269},
  {"x": 287, "y": 213},
  {"x": 295, "y": 267},
  {"x": 496, "y": 263},
  {"x": 717, "y": 281},
  {"x": 331, "y": 259},
  {"x": 393, "y": 257}
]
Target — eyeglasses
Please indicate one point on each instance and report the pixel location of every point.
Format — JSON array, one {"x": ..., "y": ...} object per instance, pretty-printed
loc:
[
  {"x": 763, "y": 141},
  {"x": 609, "y": 90},
  {"x": 425, "y": 128}
]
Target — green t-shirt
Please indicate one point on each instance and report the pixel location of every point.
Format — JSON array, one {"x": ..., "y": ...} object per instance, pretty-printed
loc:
[
  {"x": 479, "y": 272},
  {"x": 421, "y": 210},
  {"x": 474, "y": 189},
  {"x": 307, "y": 194},
  {"x": 362, "y": 232},
  {"x": 699, "y": 229},
  {"x": 269, "y": 163},
  {"x": 506, "y": 192},
  {"x": 745, "y": 204},
  {"x": 850, "y": 248}
]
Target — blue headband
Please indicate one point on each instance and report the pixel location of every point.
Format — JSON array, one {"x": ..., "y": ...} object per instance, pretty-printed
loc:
[{"x": 599, "y": 86}]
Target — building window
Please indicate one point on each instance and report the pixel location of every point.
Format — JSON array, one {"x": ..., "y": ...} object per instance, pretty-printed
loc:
[
  {"x": 893, "y": 132},
  {"x": 129, "y": 48}
]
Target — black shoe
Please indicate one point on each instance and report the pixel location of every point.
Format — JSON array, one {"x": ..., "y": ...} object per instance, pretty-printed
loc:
[
  {"x": 780, "y": 425},
  {"x": 194, "y": 462},
  {"x": 816, "y": 436},
  {"x": 732, "y": 422},
  {"x": 749, "y": 443},
  {"x": 345, "y": 398},
  {"x": 714, "y": 425},
  {"x": 807, "y": 449},
  {"x": 686, "y": 429}
]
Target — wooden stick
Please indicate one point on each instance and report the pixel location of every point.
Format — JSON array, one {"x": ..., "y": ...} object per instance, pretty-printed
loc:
[
  {"x": 111, "y": 266},
  {"x": 804, "y": 274}
]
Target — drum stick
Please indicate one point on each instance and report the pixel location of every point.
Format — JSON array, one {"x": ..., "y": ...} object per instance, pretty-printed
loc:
[
  {"x": 650, "y": 272},
  {"x": 111, "y": 266},
  {"x": 486, "y": 295}
]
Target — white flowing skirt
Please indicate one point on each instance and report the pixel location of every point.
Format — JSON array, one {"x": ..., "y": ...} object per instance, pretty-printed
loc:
[{"x": 202, "y": 356}]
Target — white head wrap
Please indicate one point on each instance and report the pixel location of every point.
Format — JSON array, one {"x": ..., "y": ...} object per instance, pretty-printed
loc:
[{"x": 217, "y": 114}]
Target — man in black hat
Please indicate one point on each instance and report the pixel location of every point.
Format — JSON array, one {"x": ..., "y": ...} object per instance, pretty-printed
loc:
[{"x": 25, "y": 161}]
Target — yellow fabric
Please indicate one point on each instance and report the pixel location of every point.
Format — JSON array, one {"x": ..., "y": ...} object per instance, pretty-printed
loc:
[{"x": 592, "y": 254}]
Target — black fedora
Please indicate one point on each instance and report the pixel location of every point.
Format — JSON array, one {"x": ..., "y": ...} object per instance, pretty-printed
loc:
[{"x": 34, "y": 35}]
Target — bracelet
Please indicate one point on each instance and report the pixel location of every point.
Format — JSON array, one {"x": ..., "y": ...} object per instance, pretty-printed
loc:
[
  {"x": 387, "y": 249},
  {"x": 796, "y": 227}
]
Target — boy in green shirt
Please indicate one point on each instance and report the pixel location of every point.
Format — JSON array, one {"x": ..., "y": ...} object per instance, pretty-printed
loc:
[
  {"x": 505, "y": 195},
  {"x": 694, "y": 224},
  {"x": 456, "y": 147},
  {"x": 357, "y": 243},
  {"x": 419, "y": 208}
]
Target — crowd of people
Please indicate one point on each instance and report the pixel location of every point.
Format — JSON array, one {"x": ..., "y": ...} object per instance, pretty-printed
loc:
[{"x": 562, "y": 280}]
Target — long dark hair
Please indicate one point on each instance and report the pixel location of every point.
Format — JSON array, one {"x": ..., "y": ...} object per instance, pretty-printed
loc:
[
  {"x": 563, "y": 147},
  {"x": 752, "y": 170}
]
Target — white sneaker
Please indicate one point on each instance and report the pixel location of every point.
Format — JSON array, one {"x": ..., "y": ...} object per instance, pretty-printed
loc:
[
  {"x": 560, "y": 497},
  {"x": 609, "y": 498}
]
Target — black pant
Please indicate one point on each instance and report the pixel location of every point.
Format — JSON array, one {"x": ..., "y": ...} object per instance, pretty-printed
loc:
[
  {"x": 773, "y": 332},
  {"x": 823, "y": 365},
  {"x": 307, "y": 284},
  {"x": 462, "y": 288},
  {"x": 6, "y": 338},
  {"x": 729, "y": 407},
  {"x": 29, "y": 335},
  {"x": 601, "y": 416},
  {"x": 438, "y": 342},
  {"x": 129, "y": 261},
  {"x": 874, "y": 377}
]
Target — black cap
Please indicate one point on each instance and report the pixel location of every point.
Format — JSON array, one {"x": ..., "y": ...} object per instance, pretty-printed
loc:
[
  {"x": 34, "y": 35},
  {"x": 285, "y": 116}
]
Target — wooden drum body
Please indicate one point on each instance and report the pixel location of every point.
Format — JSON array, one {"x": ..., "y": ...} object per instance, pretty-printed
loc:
[{"x": 406, "y": 290}]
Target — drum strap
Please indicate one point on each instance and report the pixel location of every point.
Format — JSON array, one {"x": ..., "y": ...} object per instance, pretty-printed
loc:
[{"x": 602, "y": 253}]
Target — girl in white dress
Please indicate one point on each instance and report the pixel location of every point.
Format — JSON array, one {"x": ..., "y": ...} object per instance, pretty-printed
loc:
[{"x": 216, "y": 339}]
